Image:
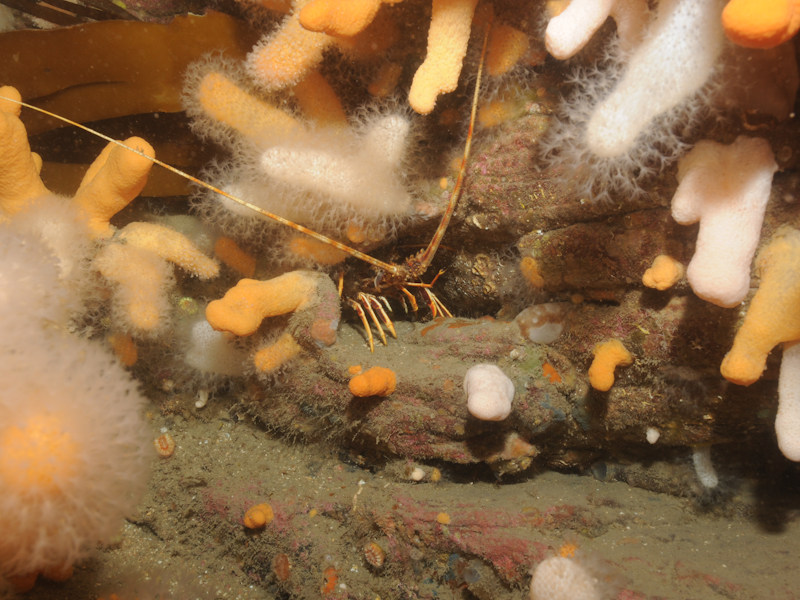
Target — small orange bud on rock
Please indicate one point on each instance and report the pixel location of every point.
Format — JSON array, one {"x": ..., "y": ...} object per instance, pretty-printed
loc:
[
  {"x": 377, "y": 381},
  {"x": 257, "y": 516}
]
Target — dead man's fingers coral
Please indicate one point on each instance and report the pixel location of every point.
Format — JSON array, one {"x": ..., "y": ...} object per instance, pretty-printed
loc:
[
  {"x": 360, "y": 171},
  {"x": 171, "y": 246},
  {"x": 774, "y": 312},
  {"x": 377, "y": 381},
  {"x": 669, "y": 66},
  {"x": 243, "y": 307},
  {"x": 221, "y": 99},
  {"x": 113, "y": 180},
  {"x": 340, "y": 17},
  {"x": 142, "y": 279},
  {"x": 451, "y": 23},
  {"x": 726, "y": 188},
  {"x": 664, "y": 273},
  {"x": 761, "y": 23},
  {"x": 568, "y": 32},
  {"x": 282, "y": 58},
  {"x": 19, "y": 167},
  {"x": 787, "y": 420},
  {"x": 310, "y": 297},
  {"x": 608, "y": 356},
  {"x": 274, "y": 355}
]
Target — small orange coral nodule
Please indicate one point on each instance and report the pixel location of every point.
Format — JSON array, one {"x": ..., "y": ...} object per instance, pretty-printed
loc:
[
  {"x": 377, "y": 381},
  {"x": 258, "y": 516},
  {"x": 607, "y": 356},
  {"x": 664, "y": 273},
  {"x": 124, "y": 348}
]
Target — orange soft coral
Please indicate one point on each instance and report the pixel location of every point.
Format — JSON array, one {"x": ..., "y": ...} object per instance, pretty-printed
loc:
[
  {"x": 761, "y": 23},
  {"x": 247, "y": 304},
  {"x": 664, "y": 273},
  {"x": 607, "y": 356},
  {"x": 310, "y": 297},
  {"x": 170, "y": 245},
  {"x": 377, "y": 381},
  {"x": 451, "y": 23},
  {"x": 113, "y": 180},
  {"x": 340, "y": 17},
  {"x": 19, "y": 170},
  {"x": 225, "y": 102},
  {"x": 773, "y": 315}
]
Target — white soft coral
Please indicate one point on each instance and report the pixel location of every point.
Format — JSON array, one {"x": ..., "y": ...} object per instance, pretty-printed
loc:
[{"x": 627, "y": 118}]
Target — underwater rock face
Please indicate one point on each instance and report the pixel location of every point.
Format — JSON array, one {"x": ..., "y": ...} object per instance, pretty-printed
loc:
[{"x": 523, "y": 234}]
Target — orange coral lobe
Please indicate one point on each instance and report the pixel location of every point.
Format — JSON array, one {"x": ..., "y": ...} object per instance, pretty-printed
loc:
[
  {"x": 19, "y": 174},
  {"x": 607, "y": 356},
  {"x": 338, "y": 18},
  {"x": 507, "y": 45},
  {"x": 113, "y": 180},
  {"x": 451, "y": 23},
  {"x": 226, "y": 102},
  {"x": 772, "y": 316},
  {"x": 377, "y": 381},
  {"x": 530, "y": 271},
  {"x": 285, "y": 57},
  {"x": 274, "y": 356},
  {"x": 761, "y": 23},
  {"x": 664, "y": 273},
  {"x": 258, "y": 516},
  {"x": 567, "y": 550},
  {"x": 318, "y": 100},
  {"x": 230, "y": 253},
  {"x": 243, "y": 307},
  {"x": 319, "y": 252}
]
